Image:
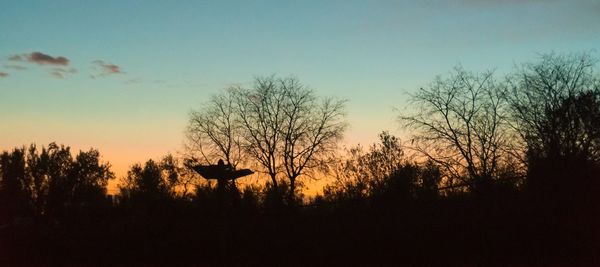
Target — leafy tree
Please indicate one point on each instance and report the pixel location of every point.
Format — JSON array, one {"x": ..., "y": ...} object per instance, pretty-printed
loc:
[
  {"x": 157, "y": 180},
  {"x": 428, "y": 181},
  {"x": 145, "y": 180},
  {"x": 50, "y": 182},
  {"x": 14, "y": 193},
  {"x": 383, "y": 172},
  {"x": 90, "y": 176},
  {"x": 179, "y": 178}
]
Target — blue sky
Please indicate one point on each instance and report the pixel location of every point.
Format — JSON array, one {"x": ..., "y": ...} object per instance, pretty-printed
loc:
[{"x": 171, "y": 55}]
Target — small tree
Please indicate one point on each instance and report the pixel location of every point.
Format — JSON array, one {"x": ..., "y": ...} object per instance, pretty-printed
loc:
[
  {"x": 146, "y": 182},
  {"x": 382, "y": 172}
]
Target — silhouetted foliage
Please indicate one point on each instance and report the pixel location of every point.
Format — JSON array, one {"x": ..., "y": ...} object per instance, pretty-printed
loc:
[
  {"x": 541, "y": 95},
  {"x": 383, "y": 174},
  {"x": 556, "y": 110},
  {"x": 457, "y": 202},
  {"x": 51, "y": 183},
  {"x": 155, "y": 183},
  {"x": 14, "y": 184}
]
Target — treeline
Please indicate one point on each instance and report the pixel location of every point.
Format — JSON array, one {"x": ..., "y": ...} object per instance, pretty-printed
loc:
[
  {"x": 535, "y": 131},
  {"x": 496, "y": 169},
  {"x": 51, "y": 183}
]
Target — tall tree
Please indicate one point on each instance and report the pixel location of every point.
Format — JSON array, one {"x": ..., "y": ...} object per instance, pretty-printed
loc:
[
  {"x": 278, "y": 123},
  {"x": 460, "y": 123},
  {"x": 311, "y": 129},
  {"x": 556, "y": 110},
  {"x": 544, "y": 97},
  {"x": 261, "y": 112}
]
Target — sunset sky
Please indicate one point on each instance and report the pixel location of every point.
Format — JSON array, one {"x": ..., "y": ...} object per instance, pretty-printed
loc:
[{"x": 121, "y": 76}]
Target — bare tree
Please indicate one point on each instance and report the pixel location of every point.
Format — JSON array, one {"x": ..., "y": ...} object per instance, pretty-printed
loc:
[
  {"x": 311, "y": 129},
  {"x": 460, "y": 123},
  {"x": 260, "y": 110},
  {"x": 543, "y": 98},
  {"x": 214, "y": 131},
  {"x": 278, "y": 122},
  {"x": 556, "y": 110}
]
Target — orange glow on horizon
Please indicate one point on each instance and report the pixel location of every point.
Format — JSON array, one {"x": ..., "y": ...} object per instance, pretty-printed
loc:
[{"x": 129, "y": 150}]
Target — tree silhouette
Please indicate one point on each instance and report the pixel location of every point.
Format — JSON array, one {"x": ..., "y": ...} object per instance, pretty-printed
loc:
[
  {"x": 460, "y": 123},
  {"x": 214, "y": 131},
  {"x": 567, "y": 160},
  {"x": 261, "y": 113},
  {"x": 146, "y": 181},
  {"x": 555, "y": 109},
  {"x": 179, "y": 177},
  {"x": 279, "y": 123},
  {"x": 51, "y": 183},
  {"x": 14, "y": 195},
  {"x": 383, "y": 173},
  {"x": 311, "y": 130},
  {"x": 459, "y": 198},
  {"x": 90, "y": 177}
]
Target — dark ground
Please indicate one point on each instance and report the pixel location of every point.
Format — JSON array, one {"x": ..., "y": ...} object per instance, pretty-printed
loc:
[{"x": 459, "y": 231}]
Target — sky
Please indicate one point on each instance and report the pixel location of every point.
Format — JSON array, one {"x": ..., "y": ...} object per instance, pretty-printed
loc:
[{"x": 122, "y": 76}]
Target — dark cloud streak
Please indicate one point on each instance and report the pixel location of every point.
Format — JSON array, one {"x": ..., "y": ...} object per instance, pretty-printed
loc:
[{"x": 41, "y": 59}]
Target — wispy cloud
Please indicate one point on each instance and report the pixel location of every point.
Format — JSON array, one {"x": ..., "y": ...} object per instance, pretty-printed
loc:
[
  {"x": 60, "y": 65},
  {"x": 4, "y": 74},
  {"x": 62, "y": 72},
  {"x": 134, "y": 81},
  {"x": 41, "y": 59},
  {"x": 503, "y": 3},
  {"x": 106, "y": 68},
  {"x": 14, "y": 67}
]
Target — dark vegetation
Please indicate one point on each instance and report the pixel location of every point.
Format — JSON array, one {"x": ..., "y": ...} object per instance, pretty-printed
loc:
[{"x": 496, "y": 172}]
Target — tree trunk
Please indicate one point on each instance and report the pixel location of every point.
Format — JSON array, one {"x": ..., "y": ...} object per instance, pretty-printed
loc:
[
  {"x": 274, "y": 180},
  {"x": 292, "y": 193}
]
